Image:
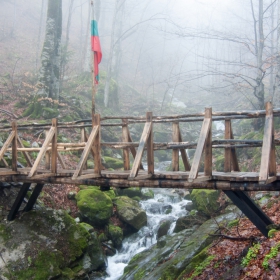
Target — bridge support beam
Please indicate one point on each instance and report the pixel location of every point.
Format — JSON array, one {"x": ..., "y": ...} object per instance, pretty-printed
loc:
[
  {"x": 20, "y": 197},
  {"x": 252, "y": 211},
  {"x": 33, "y": 198}
]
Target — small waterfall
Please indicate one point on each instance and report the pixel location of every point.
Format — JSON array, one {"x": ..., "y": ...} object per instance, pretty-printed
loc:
[{"x": 165, "y": 201}]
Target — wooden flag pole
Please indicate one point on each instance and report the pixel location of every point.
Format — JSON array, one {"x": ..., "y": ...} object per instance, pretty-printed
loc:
[{"x": 94, "y": 86}]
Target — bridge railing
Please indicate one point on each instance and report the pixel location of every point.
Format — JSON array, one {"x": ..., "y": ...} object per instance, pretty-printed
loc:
[{"x": 52, "y": 150}]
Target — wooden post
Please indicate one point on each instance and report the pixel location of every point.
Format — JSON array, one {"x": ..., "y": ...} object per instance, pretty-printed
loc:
[
  {"x": 47, "y": 155},
  {"x": 96, "y": 145},
  {"x": 143, "y": 141},
  {"x": 268, "y": 158},
  {"x": 14, "y": 147},
  {"x": 54, "y": 148},
  {"x": 125, "y": 138},
  {"x": 150, "y": 145},
  {"x": 227, "y": 164},
  {"x": 208, "y": 145},
  {"x": 175, "y": 152},
  {"x": 83, "y": 139},
  {"x": 184, "y": 154},
  {"x": 204, "y": 143}
]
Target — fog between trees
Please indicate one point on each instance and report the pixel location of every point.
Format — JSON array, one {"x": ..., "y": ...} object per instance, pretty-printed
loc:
[{"x": 222, "y": 54}]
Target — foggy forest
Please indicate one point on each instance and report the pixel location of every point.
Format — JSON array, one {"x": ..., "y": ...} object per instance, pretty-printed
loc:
[{"x": 139, "y": 139}]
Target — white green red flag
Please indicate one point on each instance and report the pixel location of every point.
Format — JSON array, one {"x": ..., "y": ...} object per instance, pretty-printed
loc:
[{"x": 96, "y": 48}]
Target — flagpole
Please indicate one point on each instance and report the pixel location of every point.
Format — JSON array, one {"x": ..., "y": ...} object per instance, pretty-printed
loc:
[{"x": 94, "y": 86}]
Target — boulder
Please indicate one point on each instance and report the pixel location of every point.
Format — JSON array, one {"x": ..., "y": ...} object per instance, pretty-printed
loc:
[
  {"x": 174, "y": 255},
  {"x": 205, "y": 201},
  {"x": 95, "y": 206},
  {"x": 130, "y": 192},
  {"x": 130, "y": 212},
  {"x": 147, "y": 194},
  {"x": 115, "y": 233},
  {"x": 164, "y": 226},
  {"x": 189, "y": 221},
  {"x": 48, "y": 244}
]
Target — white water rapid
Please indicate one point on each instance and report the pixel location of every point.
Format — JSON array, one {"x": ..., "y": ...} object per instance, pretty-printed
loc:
[{"x": 164, "y": 199}]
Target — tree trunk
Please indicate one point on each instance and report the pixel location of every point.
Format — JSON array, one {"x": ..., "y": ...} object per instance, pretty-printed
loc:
[
  {"x": 277, "y": 77},
  {"x": 49, "y": 76}
]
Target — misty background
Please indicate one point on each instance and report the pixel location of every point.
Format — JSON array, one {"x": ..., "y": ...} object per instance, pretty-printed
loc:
[{"x": 159, "y": 55}]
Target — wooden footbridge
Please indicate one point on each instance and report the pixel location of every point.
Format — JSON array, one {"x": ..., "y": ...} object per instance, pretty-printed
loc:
[{"x": 49, "y": 165}]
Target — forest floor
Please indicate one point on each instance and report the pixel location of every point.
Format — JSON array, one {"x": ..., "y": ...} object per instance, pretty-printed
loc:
[
  {"x": 242, "y": 252},
  {"x": 231, "y": 257}
]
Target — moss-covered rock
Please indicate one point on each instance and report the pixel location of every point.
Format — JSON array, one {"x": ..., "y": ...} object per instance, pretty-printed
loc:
[
  {"x": 205, "y": 201},
  {"x": 174, "y": 255},
  {"x": 164, "y": 227},
  {"x": 115, "y": 233},
  {"x": 95, "y": 206},
  {"x": 147, "y": 194},
  {"x": 130, "y": 192},
  {"x": 110, "y": 162},
  {"x": 189, "y": 221},
  {"x": 47, "y": 244},
  {"x": 130, "y": 212}
]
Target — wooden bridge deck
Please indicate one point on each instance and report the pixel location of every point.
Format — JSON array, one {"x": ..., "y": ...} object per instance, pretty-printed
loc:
[{"x": 48, "y": 165}]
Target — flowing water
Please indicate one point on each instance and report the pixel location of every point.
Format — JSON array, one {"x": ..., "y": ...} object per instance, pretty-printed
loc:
[{"x": 164, "y": 199}]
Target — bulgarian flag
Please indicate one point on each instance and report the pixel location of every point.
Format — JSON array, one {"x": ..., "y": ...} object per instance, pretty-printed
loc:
[{"x": 96, "y": 48}]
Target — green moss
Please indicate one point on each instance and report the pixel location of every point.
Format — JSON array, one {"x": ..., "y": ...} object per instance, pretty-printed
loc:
[
  {"x": 115, "y": 233},
  {"x": 252, "y": 254},
  {"x": 5, "y": 232},
  {"x": 233, "y": 223},
  {"x": 271, "y": 255},
  {"x": 113, "y": 163},
  {"x": 95, "y": 206},
  {"x": 45, "y": 266},
  {"x": 271, "y": 233},
  {"x": 139, "y": 275},
  {"x": 205, "y": 201},
  {"x": 198, "y": 264}
]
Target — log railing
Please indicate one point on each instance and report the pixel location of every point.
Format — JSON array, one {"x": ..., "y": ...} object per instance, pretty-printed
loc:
[{"x": 92, "y": 144}]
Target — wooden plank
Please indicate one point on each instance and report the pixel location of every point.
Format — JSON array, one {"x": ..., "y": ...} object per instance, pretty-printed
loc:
[
  {"x": 234, "y": 161},
  {"x": 150, "y": 146},
  {"x": 54, "y": 148},
  {"x": 25, "y": 154},
  {"x": 44, "y": 175},
  {"x": 184, "y": 154},
  {"x": 208, "y": 145},
  {"x": 42, "y": 151},
  {"x": 200, "y": 146},
  {"x": 14, "y": 147},
  {"x": 140, "y": 150},
  {"x": 83, "y": 140},
  {"x": 126, "y": 163},
  {"x": 88, "y": 176},
  {"x": 141, "y": 177},
  {"x": 47, "y": 156},
  {"x": 202, "y": 179},
  {"x": 86, "y": 151},
  {"x": 133, "y": 149},
  {"x": 7, "y": 144},
  {"x": 227, "y": 162},
  {"x": 61, "y": 160},
  {"x": 96, "y": 145},
  {"x": 267, "y": 142},
  {"x": 175, "y": 152}
]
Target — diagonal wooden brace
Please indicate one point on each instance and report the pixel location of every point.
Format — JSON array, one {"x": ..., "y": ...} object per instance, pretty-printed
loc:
[
  {"x": 146, "y": 138},
  {"x": 204, "y": 143},
  {"x": 51, "y": 138},
  {"x": 268, "y": 157}
]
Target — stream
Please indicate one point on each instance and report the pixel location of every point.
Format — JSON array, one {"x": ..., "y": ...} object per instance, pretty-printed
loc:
[{"x": 164, "y": 199}]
